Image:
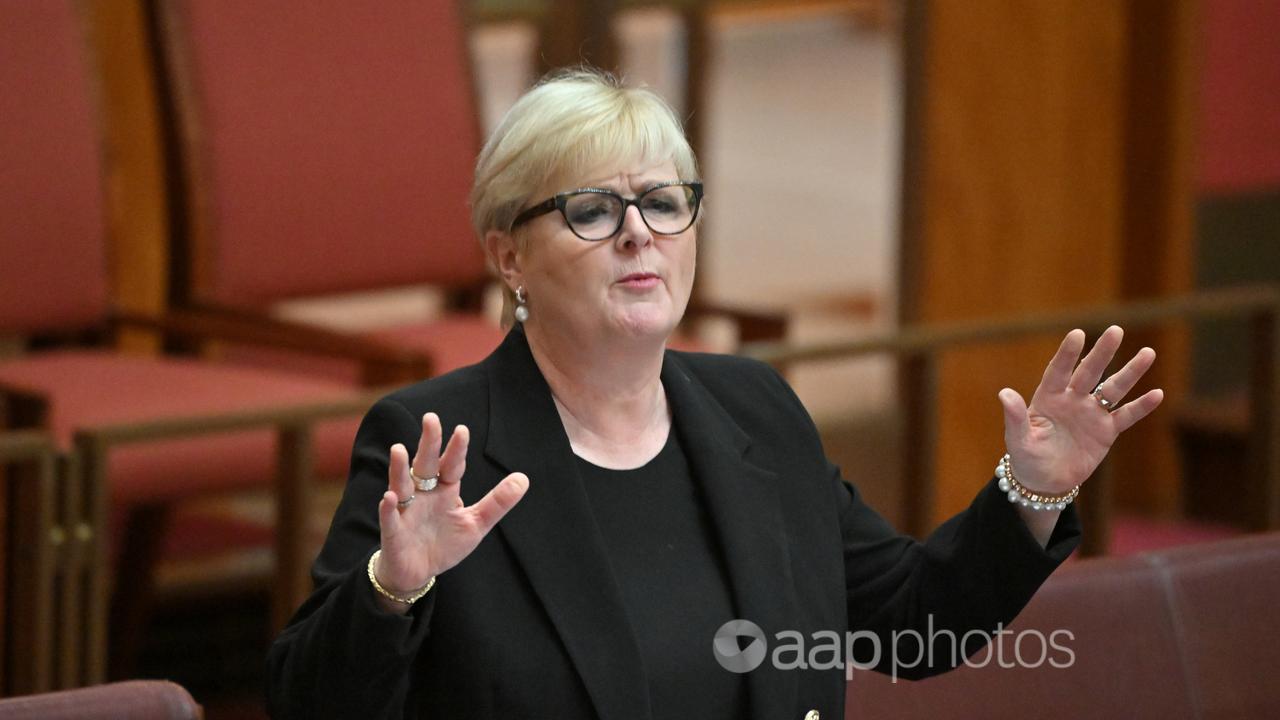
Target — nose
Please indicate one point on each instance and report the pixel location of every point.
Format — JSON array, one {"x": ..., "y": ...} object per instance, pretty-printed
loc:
[{"x": 634, "y": 233}]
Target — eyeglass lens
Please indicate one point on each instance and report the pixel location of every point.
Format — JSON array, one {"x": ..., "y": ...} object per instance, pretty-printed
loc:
[{"x": 667, "y": 210}]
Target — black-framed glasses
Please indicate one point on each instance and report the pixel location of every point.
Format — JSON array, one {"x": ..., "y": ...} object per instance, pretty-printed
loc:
[{"x": 597, "y": 214}]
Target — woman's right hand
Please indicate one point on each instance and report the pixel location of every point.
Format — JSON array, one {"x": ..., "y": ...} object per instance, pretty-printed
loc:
[{"x": 436, "y": 530}]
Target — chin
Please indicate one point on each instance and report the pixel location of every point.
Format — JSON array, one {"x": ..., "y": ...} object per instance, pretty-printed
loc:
[{"x": 647, "y": 323}]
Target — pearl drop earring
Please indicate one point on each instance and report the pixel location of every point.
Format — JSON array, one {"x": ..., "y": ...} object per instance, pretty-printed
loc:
[{"x": 522, "y": 310}]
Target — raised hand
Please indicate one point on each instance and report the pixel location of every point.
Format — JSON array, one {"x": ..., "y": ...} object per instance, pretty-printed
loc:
[
  {"x": 426, "y": 532},
  {"x": 1056, "y": 443}
]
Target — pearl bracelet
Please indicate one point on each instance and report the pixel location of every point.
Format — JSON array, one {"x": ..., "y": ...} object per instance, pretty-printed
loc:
[
  {"x": 412, "y": 597},
  {"x": 1019, "y": 494}
]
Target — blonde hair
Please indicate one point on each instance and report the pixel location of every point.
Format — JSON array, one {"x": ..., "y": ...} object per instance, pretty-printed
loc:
[{"x": 570, "y": 123}]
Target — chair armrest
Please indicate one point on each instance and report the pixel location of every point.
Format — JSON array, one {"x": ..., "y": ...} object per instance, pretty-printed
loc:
[
  {"x": 294, "y": 425},
  {"x": 144, "y": 699},
  {"x": 752, "y": 325},
  {"x": 381, "y": 363}
]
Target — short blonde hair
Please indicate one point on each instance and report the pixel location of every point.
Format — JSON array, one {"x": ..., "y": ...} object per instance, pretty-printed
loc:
[{"x": 570, "y": 123}]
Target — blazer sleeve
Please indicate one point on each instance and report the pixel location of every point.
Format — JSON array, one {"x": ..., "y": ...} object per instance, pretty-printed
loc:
[
  {"x": 341, "y": 655},
  {"x": 975, "y": 572}
]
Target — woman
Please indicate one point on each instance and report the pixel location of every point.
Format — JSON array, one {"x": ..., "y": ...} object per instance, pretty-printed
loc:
[{"x": 642, "y": 497}]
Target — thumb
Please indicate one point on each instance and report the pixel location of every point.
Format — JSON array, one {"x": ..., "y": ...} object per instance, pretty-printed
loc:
[
  {"x": 498, "y": 501},
  {"x": 1017, "y": 423}
]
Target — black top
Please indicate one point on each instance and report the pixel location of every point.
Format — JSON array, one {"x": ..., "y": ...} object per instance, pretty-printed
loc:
[{"x": 673, "y": 580}]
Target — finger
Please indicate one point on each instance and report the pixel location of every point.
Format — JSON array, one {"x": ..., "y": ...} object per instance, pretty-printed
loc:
[
  {"x": 1058, "y": 373},
  {"x": 1117, "y": 386},
  {"x": 398, "y": 480},
  {"x": 1017, "y": 423},
  {"x": 1126, "y": 415},
  {"x": 388, "y": 516},
  {"x": 454, "y": 461},
  {"x": 1090, "y": 369},
  {"x": 498, "y": 502},
  {"x": 426, "y": 461}
]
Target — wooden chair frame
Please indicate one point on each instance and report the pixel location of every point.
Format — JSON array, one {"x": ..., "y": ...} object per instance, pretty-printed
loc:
[
  {"x": 64, "y": 520},
  {"x": 33, "y": 544}
]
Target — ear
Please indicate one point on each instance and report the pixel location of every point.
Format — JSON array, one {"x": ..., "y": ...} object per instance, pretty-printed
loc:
[{"x": 504, "y": 254}]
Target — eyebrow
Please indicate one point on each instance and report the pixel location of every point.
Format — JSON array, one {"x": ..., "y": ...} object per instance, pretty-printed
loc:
[{"x": 644, "y": 188}]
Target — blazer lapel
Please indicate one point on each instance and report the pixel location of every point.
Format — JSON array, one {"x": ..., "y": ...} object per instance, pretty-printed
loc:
[
  {"x": 744, "y": 505},
  {"x": 555, "y": 538}
]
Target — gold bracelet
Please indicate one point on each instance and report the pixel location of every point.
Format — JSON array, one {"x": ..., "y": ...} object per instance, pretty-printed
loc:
[
  {"x": 413, "y": 596},
  {"x": 1021, "y": 495}
]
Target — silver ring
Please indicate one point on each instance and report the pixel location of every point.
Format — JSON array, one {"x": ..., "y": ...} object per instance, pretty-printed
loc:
[
  {"x": 402, "y": 504},
  {"x": 424, "y": 484},
  {"x": 1105, "y": 403}
]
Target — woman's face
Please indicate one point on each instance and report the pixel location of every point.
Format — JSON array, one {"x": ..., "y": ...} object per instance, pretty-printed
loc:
[{"x": 634, "y": 284}]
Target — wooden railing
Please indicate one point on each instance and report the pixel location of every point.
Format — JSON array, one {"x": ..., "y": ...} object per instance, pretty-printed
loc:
[{"x": 919, "y": 349}]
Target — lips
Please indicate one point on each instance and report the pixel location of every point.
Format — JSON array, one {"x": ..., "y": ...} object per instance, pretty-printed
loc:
[
  {"x": 637, "y": 277},
  {"x": 641, "y": 282}
]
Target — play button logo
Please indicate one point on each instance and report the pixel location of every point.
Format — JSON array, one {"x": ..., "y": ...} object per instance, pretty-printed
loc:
[{"x": 739, "y": 646}]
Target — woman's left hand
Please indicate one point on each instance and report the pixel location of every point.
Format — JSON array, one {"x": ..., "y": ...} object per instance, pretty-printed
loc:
[{"x": 1056, "y": 443}]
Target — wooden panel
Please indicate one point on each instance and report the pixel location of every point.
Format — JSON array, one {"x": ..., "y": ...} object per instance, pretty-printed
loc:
[
  {"x": 1048, "y": 162},
  {"x": 1159, "y": 232},
  {"x": 1020, "y": 187},
  {"x": 578, "y": 31}
]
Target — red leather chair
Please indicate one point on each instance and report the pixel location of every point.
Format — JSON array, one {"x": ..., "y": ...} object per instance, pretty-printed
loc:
[
  {"x": 136, "y": 699},
  {"x": 54, "y": 285},
  {"x": 328, "y": 147},
  {"x": 1180, "y": 633}
]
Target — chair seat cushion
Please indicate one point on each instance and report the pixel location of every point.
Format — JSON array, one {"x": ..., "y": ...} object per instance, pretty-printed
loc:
[
  {"x": 456, "y": 341},
  {"x": 94, "y": 388},
  {"x": 452, "y": 341}
]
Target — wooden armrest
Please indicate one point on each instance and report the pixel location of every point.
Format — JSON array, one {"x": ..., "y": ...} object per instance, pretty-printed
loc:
[
  {"x": 753, "y": 325},
  {"x": 294, "y": 426},
  {"x": 381, "y": 363},
  {"x": 24, "y": 445}
]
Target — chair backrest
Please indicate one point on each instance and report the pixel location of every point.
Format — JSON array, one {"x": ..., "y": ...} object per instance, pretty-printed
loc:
[
  {"x": 328, "y": 146},
  {"x": 1180, "y": 633},
  {"x": 135, "y": 699},
  {"x": 53, "y": 259}
]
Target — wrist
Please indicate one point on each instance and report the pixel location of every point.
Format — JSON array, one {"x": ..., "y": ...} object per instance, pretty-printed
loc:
[
  {"x": 402, "y": 598},
  {"x": 1025, "y": 497}
]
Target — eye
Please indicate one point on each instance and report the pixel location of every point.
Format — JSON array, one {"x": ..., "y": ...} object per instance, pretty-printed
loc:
[
  {"x": 590, "y": 207},
  {"x": 664, "y": 201}
]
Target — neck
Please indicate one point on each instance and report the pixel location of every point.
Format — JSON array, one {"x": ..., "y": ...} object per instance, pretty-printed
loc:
[{"x": 609, "y": 396}]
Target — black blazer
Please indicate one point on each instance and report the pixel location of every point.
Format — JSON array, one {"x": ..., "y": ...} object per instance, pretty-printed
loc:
[{"x": 532, "y": 624}]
